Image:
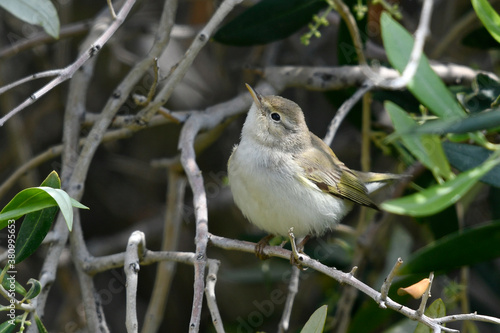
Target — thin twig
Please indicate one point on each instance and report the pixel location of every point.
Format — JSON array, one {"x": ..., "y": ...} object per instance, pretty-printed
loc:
[
  {"x": 180, "y": 69},
  {"x": 135, "y": 249},
  {"x": 42, "y": 38},
  {"x": 344, "y": 110},
  {"x": 352, "y": 26},
  {"x": 68, "y": 72},
  {"x": 469, "y": 316},
  {"x": 143, "y": 102},
  {"x": 425, "y": 296},
  {"x": 384, "y": 290},
  {"x": 338, "y": 78},
  {"x": 416, "y": 53},
  {"x": 293, "y": 288},
  {"x": 97, "y": 265},
  {"x": 111, "y": 9},
  {"x": 213, "y": 268},
  {"x": 32, "y": 77},
  {"x": 18, "y": 305}
]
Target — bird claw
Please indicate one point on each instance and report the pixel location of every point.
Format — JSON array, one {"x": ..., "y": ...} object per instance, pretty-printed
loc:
[
  {"x": 261, "y": 245},
  {"x": 296, "y": 258},
  {"x": 298, "y": 254}
]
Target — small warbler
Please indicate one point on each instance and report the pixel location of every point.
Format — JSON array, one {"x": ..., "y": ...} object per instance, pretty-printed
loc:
[{"x": 283, "y": 176}]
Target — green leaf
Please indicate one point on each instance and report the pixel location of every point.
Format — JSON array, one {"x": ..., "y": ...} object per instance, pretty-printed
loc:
[
  {"x": 426, "y": 148},
  {"x": 316, "y": 322},
  {"x": 464, "y": 157},
  {"x": 475, "y": 122},
  {"x": 39, "y": 324},
  {"x": 27, "y": 201},
  {"x": 9, "y": 278},
  {"x": 35, "y": 289},
  {"x": 35, "y": 199},
  {"x": 487, "y": 15},
  {"x": 461, "y": 248},
  {"x": 438, "y": 197},
  {"x": 33, "y": 230},
  {"x": 39, "y": 12},
  {"x": 7, "y": 327},
  {"x": 436, "y": 310},
  {"x": 77, "y": 204},
  {"x": 36, "y": 225},
  {"x": 268, "y": 21},
  {"x": 425, "y": 85},
  {"x": 64, "y": 202}
]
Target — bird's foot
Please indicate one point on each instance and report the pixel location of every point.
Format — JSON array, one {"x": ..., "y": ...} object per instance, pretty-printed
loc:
[
  {"x": 298, "y": 254},
  {"x": 261, "y": 245}
]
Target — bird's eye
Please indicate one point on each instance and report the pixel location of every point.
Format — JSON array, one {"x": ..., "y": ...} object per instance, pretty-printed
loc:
[{"x": 275, "y": 116}]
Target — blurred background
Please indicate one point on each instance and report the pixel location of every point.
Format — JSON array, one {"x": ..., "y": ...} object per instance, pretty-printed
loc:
[{"x": 126, "y": 193}]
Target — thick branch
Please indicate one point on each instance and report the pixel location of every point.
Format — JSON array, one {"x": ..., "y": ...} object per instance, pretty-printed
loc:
[{"x": 336, "y": 78}]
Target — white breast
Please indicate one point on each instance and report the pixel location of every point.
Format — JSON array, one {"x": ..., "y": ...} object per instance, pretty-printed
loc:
[{"x": 268, "y": 191}]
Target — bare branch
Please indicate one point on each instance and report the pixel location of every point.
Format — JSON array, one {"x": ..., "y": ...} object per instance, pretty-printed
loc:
[
  {"x": 469, "y": 316},
  {"x": 293, "y": 288},
  {"x": 18, "y": 305},
  {"x": 213, "y": 268},
  {"x": 69, "y": 30},
  {"x": 68, "y": 72},
  {"x": 111, "y": 9},
  {"x": 31, "y": 77},
  {"x": 384, "y": 291},
  {"x": 346, "y": 278},
  {"x": 344, "y": 110},
  {"x": 350, "y": 21},
  {"x": 135, "y": 249},
  {"x": 416, "y": 53},
  {"x": 105, "y": 263},
  {"x": 342, "y": 77},
  {"x": 425, "y": 296},
  {"x": 180, "y": 69}
]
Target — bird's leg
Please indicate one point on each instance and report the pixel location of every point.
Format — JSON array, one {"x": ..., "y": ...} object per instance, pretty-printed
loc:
[
  {"x": 297, "y": 251},
  {"x": 302, "y": 244},
  {"x": 259, "y": 248}
]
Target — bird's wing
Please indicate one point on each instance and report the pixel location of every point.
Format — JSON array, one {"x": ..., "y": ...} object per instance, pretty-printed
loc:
[{"x": 330, "y": 175}]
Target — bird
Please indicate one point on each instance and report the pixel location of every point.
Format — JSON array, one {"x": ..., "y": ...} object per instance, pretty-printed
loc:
[{"x": 283, "y": 176}]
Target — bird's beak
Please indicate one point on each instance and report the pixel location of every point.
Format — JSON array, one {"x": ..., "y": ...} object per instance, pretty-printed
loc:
[{"x": 257, "y": 98}]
